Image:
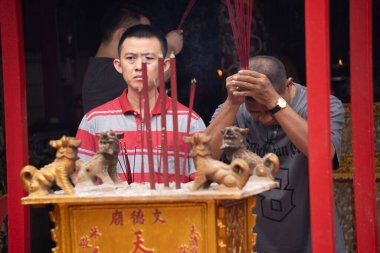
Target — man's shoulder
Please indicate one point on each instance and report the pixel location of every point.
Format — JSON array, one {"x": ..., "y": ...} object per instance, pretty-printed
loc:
[
  {"x": 99, "y": 61},
  {"x": 108, "y": 109},
  {"x": 182, "y": 109},
  {"x": 97, "y": 66}
]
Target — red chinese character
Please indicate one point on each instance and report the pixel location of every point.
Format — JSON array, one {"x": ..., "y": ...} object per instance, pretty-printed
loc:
[
  {"x": 139, "y": 241},
  {"x": 182, "y": 249},
  {"x": 157, "y": 217},
  {"x": 95, "y": 250},
  {"x": 84, "y": 242},
  {"x": 137, "y": 217},
  {"x": 117, "y": 218},
  {"x": 194, "y": 240},
  {"x": 94, "y": 233}
]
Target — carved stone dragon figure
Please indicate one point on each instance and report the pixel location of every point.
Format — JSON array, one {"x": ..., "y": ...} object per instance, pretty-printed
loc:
[
  {"x": 234, "y": 148},
  {"x": 102, "y": 165},
  {"x": 210, "y": 170},
  {"x": 38, "y": 182}
]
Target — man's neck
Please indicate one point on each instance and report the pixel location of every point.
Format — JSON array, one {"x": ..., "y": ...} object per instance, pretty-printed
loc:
[{"x": 134, "y": 97}]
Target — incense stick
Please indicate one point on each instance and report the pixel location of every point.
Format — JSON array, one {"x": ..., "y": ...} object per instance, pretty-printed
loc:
[
  {"x": 173, "y": 86},
  {"x": 191, "y": 105},
  {"x": 147, "y": 124},
  {"x": 186, "y": 13},
  {"x": 164, "y": 141},
  {"x": 142, "y": 138}
]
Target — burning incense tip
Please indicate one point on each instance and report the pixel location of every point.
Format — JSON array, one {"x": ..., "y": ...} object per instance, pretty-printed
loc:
[
  {"x": 172, "y": 55},
  {"x": 143, "y": 60},
  {"x": 194, "y": 80},
  {"x": 160, "y": 56}
]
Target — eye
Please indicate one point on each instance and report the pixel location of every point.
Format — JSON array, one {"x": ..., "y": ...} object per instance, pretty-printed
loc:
[
  {"x": 150, "y": 58},
  {"x": 130, "y": 58}
]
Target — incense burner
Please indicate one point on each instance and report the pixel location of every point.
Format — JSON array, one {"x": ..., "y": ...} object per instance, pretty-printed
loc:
[{"x": 133, "y": 218}]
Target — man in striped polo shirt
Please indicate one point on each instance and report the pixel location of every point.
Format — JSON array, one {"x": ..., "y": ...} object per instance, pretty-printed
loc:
[{"x": 125, "y": 113}]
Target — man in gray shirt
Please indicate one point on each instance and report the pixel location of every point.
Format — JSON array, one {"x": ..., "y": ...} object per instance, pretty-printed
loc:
[{"x": 274, "y": 108}]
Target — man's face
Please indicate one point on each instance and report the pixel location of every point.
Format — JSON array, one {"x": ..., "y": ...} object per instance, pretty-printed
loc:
[
  {"x": 259, "y": 112},
  {"x": 133, "y": 51}
]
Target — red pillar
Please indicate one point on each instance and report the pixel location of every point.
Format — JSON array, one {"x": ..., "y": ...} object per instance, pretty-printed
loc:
[
  {"x": 362, "y": 125},
  {"x": 318, "y": 92},
  {"x": 12, "y": 45}
]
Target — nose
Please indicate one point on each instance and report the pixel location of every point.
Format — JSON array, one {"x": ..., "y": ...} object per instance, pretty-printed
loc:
[{"x": 138, "y": 64}]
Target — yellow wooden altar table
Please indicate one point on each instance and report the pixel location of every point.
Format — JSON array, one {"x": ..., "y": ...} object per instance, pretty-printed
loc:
[{"x": 121, "y": 218}]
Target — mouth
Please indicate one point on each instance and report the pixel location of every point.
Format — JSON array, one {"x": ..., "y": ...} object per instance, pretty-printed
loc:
[{"x": 137, "y": 78}]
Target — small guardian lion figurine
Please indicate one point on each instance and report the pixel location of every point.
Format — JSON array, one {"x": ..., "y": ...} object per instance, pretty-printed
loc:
[
  {"x": 102, "y": 165},
  {"x": 210, "y": 170},
  {"x": 234, "y": 148},
  {"x": 39, "y": 182}
]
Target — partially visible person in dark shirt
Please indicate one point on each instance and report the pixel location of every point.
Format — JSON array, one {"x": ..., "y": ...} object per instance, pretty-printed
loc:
[{"x": 102, "y": 82}]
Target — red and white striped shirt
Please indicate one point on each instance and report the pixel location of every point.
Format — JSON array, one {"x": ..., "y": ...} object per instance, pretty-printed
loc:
[{"x": 119, "y": 116}]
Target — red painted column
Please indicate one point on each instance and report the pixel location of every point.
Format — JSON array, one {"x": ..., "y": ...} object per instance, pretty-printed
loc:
[
  {"x": 362, "y": 125},
  {"x": 12, "y": 45},
  {"x": 318, "y": 91}
]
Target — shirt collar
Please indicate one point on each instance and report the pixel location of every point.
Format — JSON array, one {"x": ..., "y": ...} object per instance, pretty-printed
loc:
[{"x": 127, "y": 108}]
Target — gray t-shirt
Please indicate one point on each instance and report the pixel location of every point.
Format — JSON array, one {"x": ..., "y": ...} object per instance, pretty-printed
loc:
[{"x": 283, "y": 214}]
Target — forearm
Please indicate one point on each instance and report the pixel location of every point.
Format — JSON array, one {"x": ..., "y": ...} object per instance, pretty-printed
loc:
[
  {"x": 296, "y": 129},
  {"x": 225, "y": 118}
]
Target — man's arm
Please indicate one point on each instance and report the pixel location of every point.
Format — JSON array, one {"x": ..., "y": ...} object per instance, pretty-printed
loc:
[
  {"x": 224, "y": 118},
  {"x": 259, "y": 87}
]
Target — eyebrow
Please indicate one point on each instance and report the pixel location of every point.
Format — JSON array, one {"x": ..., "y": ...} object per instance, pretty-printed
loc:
[{"x": 144, "y": 54}]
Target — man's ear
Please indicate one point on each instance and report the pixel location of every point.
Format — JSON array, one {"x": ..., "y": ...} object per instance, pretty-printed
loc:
[
  {"x": 166, "y": 65},
  {"x": 117, "y": 65},
  {"x": 289, "y": 81}
]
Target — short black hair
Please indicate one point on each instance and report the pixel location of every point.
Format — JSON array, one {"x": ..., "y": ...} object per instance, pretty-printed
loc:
[
  {"x": 144, "y": 31},
  {"x": 118, "y": 15},
  {"x": 273, "y": 68}
]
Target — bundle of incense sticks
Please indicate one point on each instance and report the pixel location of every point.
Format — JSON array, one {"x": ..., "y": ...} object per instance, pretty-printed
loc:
[
  {"x": 186, "y": 13},
  {"x": 191, "y": 105},
  {"x": 241, "y": 28},
  {"x": 127, "y": 172},
  {"x": 121, "y": 166},
  {"x": 148, "y": 124},
  {"x": 173, "y": 86},
  {"x": 164, "y": 140}
]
